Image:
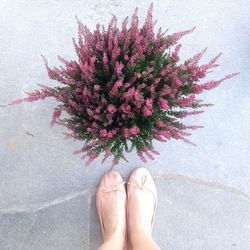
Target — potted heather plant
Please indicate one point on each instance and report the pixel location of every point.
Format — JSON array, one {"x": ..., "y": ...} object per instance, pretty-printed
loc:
[{"x": 126, "y": 88}]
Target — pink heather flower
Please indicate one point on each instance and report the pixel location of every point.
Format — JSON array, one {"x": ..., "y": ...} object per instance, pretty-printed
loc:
[
  {"x": 103, "y": 133},
  {"x": 186, "y": 102},
  {"x": 142, "y": 157},
  {"x": 118, "y": 68},
  {"x": 214, "y": 84},
  {"x": 177, "y": 36},
  {"x": 144, "y": 74},
  {"x": 137, "y": 96},
  {"x": 107, "y": 154},
  {"x": 193, "y": 127},
  {"x": 212, "y": 63},
  {"x": 95, "y": 125},
  {"x": 115, "y": 131},
  {"x": 138, "y": 75},
  {"x": 33, "y": 96},
  {"x": 109, "y": 117},
  {"x": 97, "y": 87},
  {"x": 145, "y": 150},
  {"x": 134, "y": 130},
  {"x": 126, "y": 57},
  {"x": 114, "y": 163},
  {"x": 166, "y": 134},
  {"x": 149, "y": 102},
  {"x": 163, "y": 104},
  {"x": 152, "y": 90},
  {"x": 156, "y": 81},
  {"x": 202, "y": 73},
  {"x": 68, "y": 135},
  {"x": 146, "y": 111},
  {"x": 105, "y": 61},
  {"x": 196, "y": 89},
  {"x": 166, "y": 91},
  {"x": 110, "y": 135},
  {"x": 129, "y": 94},
  {"x": 159, "y": 138},
  {"x": 141, "y": 86},
  {"x": 126, "y": 133},
  {"x": 90, "y": 112},
  {"x": 125, "y": 108},
  {"x": 56, "y": 115},
  {"x": 116, "y": 86},
  {"x": 183, "y": 67},
  {"x": 114, "y": 54},
  {"x": 155, "y": 152},
  {"x": 86, "y": 147},
  {"x": 196, "y": 58},
  {"x": 92, "y": 156},
  {"x": 187, "y": 141},
  {"x": 175, "y": 56},
  {"x": 160, "y": 124},
  {"x": 73, "y": 104},
  {"x": 90, "y": 130},
  {"x": 183, "y": 114},
  {"x": 115, "y": 82},
  {"x": 148, "y": 25},
  {"x": 111, "y": 108},
  {"x": 124, "y": 24},
  {"x": 178, "y": 83}
]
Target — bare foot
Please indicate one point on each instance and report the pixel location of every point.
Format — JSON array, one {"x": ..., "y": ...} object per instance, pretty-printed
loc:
[
  {"x": 111, "y": 207},
  {"x": 141, "y": 205}
]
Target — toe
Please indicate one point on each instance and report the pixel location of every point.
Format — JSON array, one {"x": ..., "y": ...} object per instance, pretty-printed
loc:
[
  {"x": 112, "y": 178},
  {"x": 113, "y": 175},
  {"x": 138, "y": 175},
  {"x": 141, "y": 171},
  {"x": 109, "y": 178}
]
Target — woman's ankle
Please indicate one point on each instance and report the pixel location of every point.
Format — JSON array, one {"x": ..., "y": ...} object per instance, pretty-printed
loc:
[
  {"x": 140, "y": 238},
  {"x": 138, "y": 232},
  {"x": 114, "y": 241},
  {"x": 146, "y": 243}
]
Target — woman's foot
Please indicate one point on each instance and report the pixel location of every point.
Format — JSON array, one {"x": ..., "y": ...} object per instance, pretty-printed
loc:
[
  {"x": 141, "y": 205},
  {"x": 111, "y": 208}
]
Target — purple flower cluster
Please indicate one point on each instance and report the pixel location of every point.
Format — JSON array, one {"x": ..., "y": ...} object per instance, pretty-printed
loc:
[{"x": 126, "y": 86}]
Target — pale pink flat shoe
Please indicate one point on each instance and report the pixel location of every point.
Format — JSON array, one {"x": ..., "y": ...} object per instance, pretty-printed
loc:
[
  {"x": 111, "y": 196},
  {"x": 141, "y": 181}
]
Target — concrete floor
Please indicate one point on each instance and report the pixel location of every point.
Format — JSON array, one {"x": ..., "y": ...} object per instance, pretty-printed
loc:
[
  {"x": 47, "y": 194},
  {"x": 191, "y": 214}
]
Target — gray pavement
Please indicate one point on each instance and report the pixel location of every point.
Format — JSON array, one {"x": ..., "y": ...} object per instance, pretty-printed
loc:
[
  {"x": 191, "y": 214},
  {"x": 47, "y": 194}
]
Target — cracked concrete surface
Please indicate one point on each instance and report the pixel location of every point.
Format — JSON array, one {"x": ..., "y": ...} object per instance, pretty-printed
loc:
[
  {"x": 70, "y": 222},
  {"x": 32, "y": 208},
  {"x": 47, "y": 197}
]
